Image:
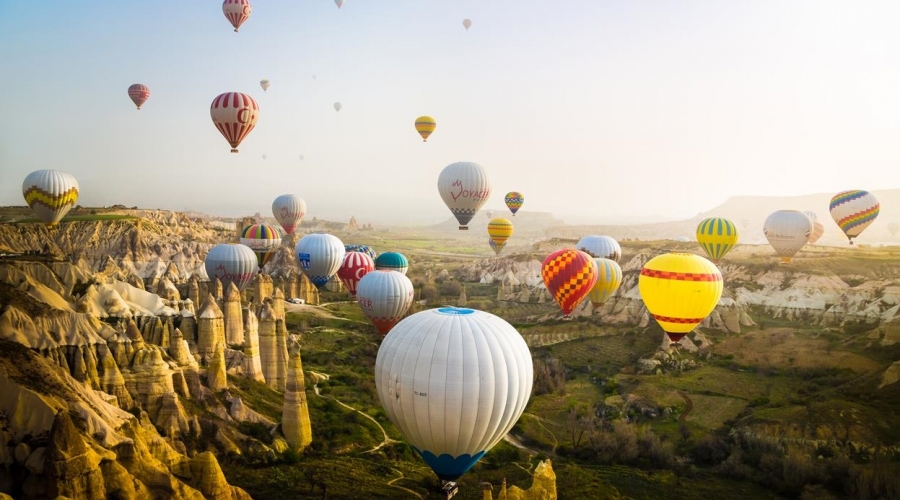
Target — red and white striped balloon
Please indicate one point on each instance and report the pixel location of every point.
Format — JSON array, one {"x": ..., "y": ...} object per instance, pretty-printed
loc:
[
  {"x": 234, "y": 114},
  {"x": 237, "y": 11},
  {"x": 139, "y": 93},
  {"x": 355, "y": 266}
]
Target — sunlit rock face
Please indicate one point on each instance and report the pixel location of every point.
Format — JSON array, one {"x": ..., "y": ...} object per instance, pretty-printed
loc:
[
  {"x": 295, "y": 424},
  {"x": 234, "y": 323},
  {"x": 216, "y": 376},
  {"x": 252, "y": 360},
  {"x": 210, "y": 328},
  {"x": 269, "y": 352}
]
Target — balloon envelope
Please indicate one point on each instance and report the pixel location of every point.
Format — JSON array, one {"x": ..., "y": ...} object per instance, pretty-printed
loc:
[
  {"x": 320, "y": 255},
  {"x": 854, "y": 211},
  {"x": 237, "y": 12},
  {"x": 234, "y": 114},
  {"x": 600, "y": 246},
  {"x": 392, "y": 261},
  {"x": 231, "y": 263},
  {"x": 495, "y": 247},
  {"x": 425, "y": 125},
  {"x": 787, "y": 232},
  {"x": 514, "y": 201},
  {"x": 717, "y": 236},
  {"x": 289, "y": 211},
  {"x": 50, "y": 194},
  {"x": 609, "y": 277},
  {"x": 139, "y": 94},
  {"x": 354, "y": 267},
  {"x": 339, "y": 3},
  {"x": 454, "y": 382},
  {"x": 500, "y": 230},
  {"x": 337, "y": 106},
  {"x": 569, "y": 276},
  {"x": 818, "y": 228},
  {"x": 467, "y": 23},
  {"x": 263, "y": 239},
  {"x": 264, "y": 84},
  {"x": 464, "y": 187},
  {"x": 366, "y": 249},
  {"x": 384, "y": 297},
  {"x": 680, "y": 290}
]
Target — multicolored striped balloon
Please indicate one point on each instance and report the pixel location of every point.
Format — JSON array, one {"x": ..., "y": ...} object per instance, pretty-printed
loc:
[
  {"x": 680, "y": 290},
  {"x": 237, "y": 12},
  {"x": 425, "y": 125},
  {"x": 514, "y": 201},
  {"x": 355, "y": 266},
  {"x": 51, "y": 194},
  {"x": 717, "y": 236},
  {"x": 139, "y": 93},
  {"x": 609, "y": 277},
  {"x": 500, "y": 230},
  {"x": 366, "y": 249},
  {"x": 263, "y": 239},
  {"x": 854, "y": 211},
  {"x": 569, "y": 275},
  {"x": 234, "y": 114},
  {"x": 495, "y": 247}
]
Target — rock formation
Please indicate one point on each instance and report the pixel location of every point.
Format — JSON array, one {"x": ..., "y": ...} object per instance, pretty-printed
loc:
[
  {"x": 216, "y": 377},
  {"x": 252, "y": 360},
  {"x": 281, "y": 354},
  {"x": 71, "y": 467},
  {"x": 295, "y": 423},
  {"x": 543, "y": 487},
  {"x": 210, "y": 328},
  {"x": 268, "y": 349},
  {"x": 234, "y": 323}
]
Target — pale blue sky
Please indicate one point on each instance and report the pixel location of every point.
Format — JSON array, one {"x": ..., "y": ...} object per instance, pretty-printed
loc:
[{"x": 614, "y": 109}]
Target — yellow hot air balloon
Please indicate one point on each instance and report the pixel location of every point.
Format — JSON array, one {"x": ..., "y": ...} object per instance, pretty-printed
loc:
[
  {"x": 425, "y": 125},
  {"x": 500, "y": 230},
  {"x": 680, "y": 290},
  {"x": 717, "y": 235},
  {"x": 609, "y": 277}
]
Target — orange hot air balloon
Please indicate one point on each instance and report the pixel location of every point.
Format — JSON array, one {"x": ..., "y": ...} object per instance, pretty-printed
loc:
[
  {"x": 680, "y": 290},
  {"x": 569, "y": 275}
]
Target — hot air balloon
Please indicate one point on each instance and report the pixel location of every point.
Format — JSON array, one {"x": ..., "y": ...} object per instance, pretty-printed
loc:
[
  {"x": 355, "y": 266},
  {"x": 569, "y": 276},
  {"x": 854, "y": 211},
  {"x": 50, "y": 194},
  {"x": 500, "y": 230},
  {"x": 139, "y": 93},
  {"x": 366, "y": 249},
  {"x": 600, "y": 246},
  {"x": 680, "y": 290},
  {"x": 717, "y": 236},
  {"x": 787, "y": 232},
  {"x": 489, "y": 214},
  {"x": 609, "y": 277},
  {"x": 514, "y": 201},
  {"x": 265, "y": 156},
  {"x": 264, "y": 83},
  {"x": 301, "y": 157},
  {"x": 893, "y": 227},
  {"x": 339, "y": 3},
  {"x": 263, "y": 239},
  {"x": 467, "y": 23},
  {"x": 464, "y": 187},
  {"x": 425, "y": 125},
  {"x": 384, "y": 297},
  {"x": 234, "y": 114},
  {"x": 818, "y": 228},
  {"x": 237, "y": 12},
  {"x": 392, "y": 261},
  {"x": 495, "y": 247},
  {"x": 320, "y": 255},
  {"x": 289, "y": 211},
  {"x": 337, "y": 106},
  {"x": 231, "y": 263},
  {"x": 454, "y": 381}
]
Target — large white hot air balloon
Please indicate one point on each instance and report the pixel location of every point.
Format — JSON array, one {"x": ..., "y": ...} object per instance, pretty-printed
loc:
[
  {"x": 603, "y": 247},
  {"x": 231, "y": 263},
  {"x": 320, "y": 256},
  {"x": 818, "y": 228},
  {"x": 454, "y": 381},
  {"x": 465, "y": 187},
  {"x": 289, "y": 211},
  {"x": 50, "y": 194},
  {"x": 384, "y": 297},
  {"x": 787, "y": 232}
]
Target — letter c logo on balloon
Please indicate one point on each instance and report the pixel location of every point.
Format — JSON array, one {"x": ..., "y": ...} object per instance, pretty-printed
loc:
[
  {"x": 360, "y": 272},
  {"x": 245, "y": 115}
]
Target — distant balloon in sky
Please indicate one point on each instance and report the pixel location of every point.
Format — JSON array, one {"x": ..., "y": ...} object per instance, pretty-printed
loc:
[
  {"x": 818, "y": 228},
  {"x": 301, "y": 157},
  {"x": 514, "y": 201},
  {"x": 600, "y": 246},
  {"x": 234, "y": 114},
  {"x": 569, "y": 276},
  {"x": 893, "y": 227},
  {"x": 139, "y": 93},
  {"x": 265, "y": 156},
  {"x": 264, "y": 83},
  {"x": 467, "y": 23},
  {"x": 337, "y": 106},
  {"x": 50, "y": 194},
  {"x": 454, "y": 381},
  {"x": 787, "y": 231},
  {"x": 854, "y": 211},
  {"x": 339, "y": 3},
  {"x": 320, "y": 256},
  {"x": 237, "y": 12},
  {"x": 465, "y": 187},
  {"x": 289, "y": 211},
  {"x": 425, "y": 125},
  {"x": 231, "y": 263},
  {"x": 489, "y": 214},
  {"x": 717, "y": 236},
  {"x": 384, "y": 296},
  {"x": 392, "y": 261}
]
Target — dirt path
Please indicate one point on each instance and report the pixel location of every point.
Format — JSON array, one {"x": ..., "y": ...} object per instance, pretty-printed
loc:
[
  {"x": 319, "y": 311},
  {"x": 688, "y": 406},
  {"x": 324, "y": 376},
  {"x": 540, "y": 422},
  {"x": 392, "y": 485}
]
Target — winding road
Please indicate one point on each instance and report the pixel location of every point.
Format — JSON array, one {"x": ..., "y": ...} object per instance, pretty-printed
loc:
[{"x": 688, "y": 406}]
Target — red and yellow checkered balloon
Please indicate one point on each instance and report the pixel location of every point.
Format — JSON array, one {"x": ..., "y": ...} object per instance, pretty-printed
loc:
[{"x": 569, "y": 275}]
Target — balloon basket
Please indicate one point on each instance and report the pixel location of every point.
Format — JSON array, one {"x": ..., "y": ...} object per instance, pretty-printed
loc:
[
  {"x": 566, "y": 317},
  {"x": 234, "y": 150},
  {"x": 463, "y": 228}
]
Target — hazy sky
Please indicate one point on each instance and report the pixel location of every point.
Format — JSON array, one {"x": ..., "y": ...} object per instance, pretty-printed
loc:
[{"x": 616, "y": 109}]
